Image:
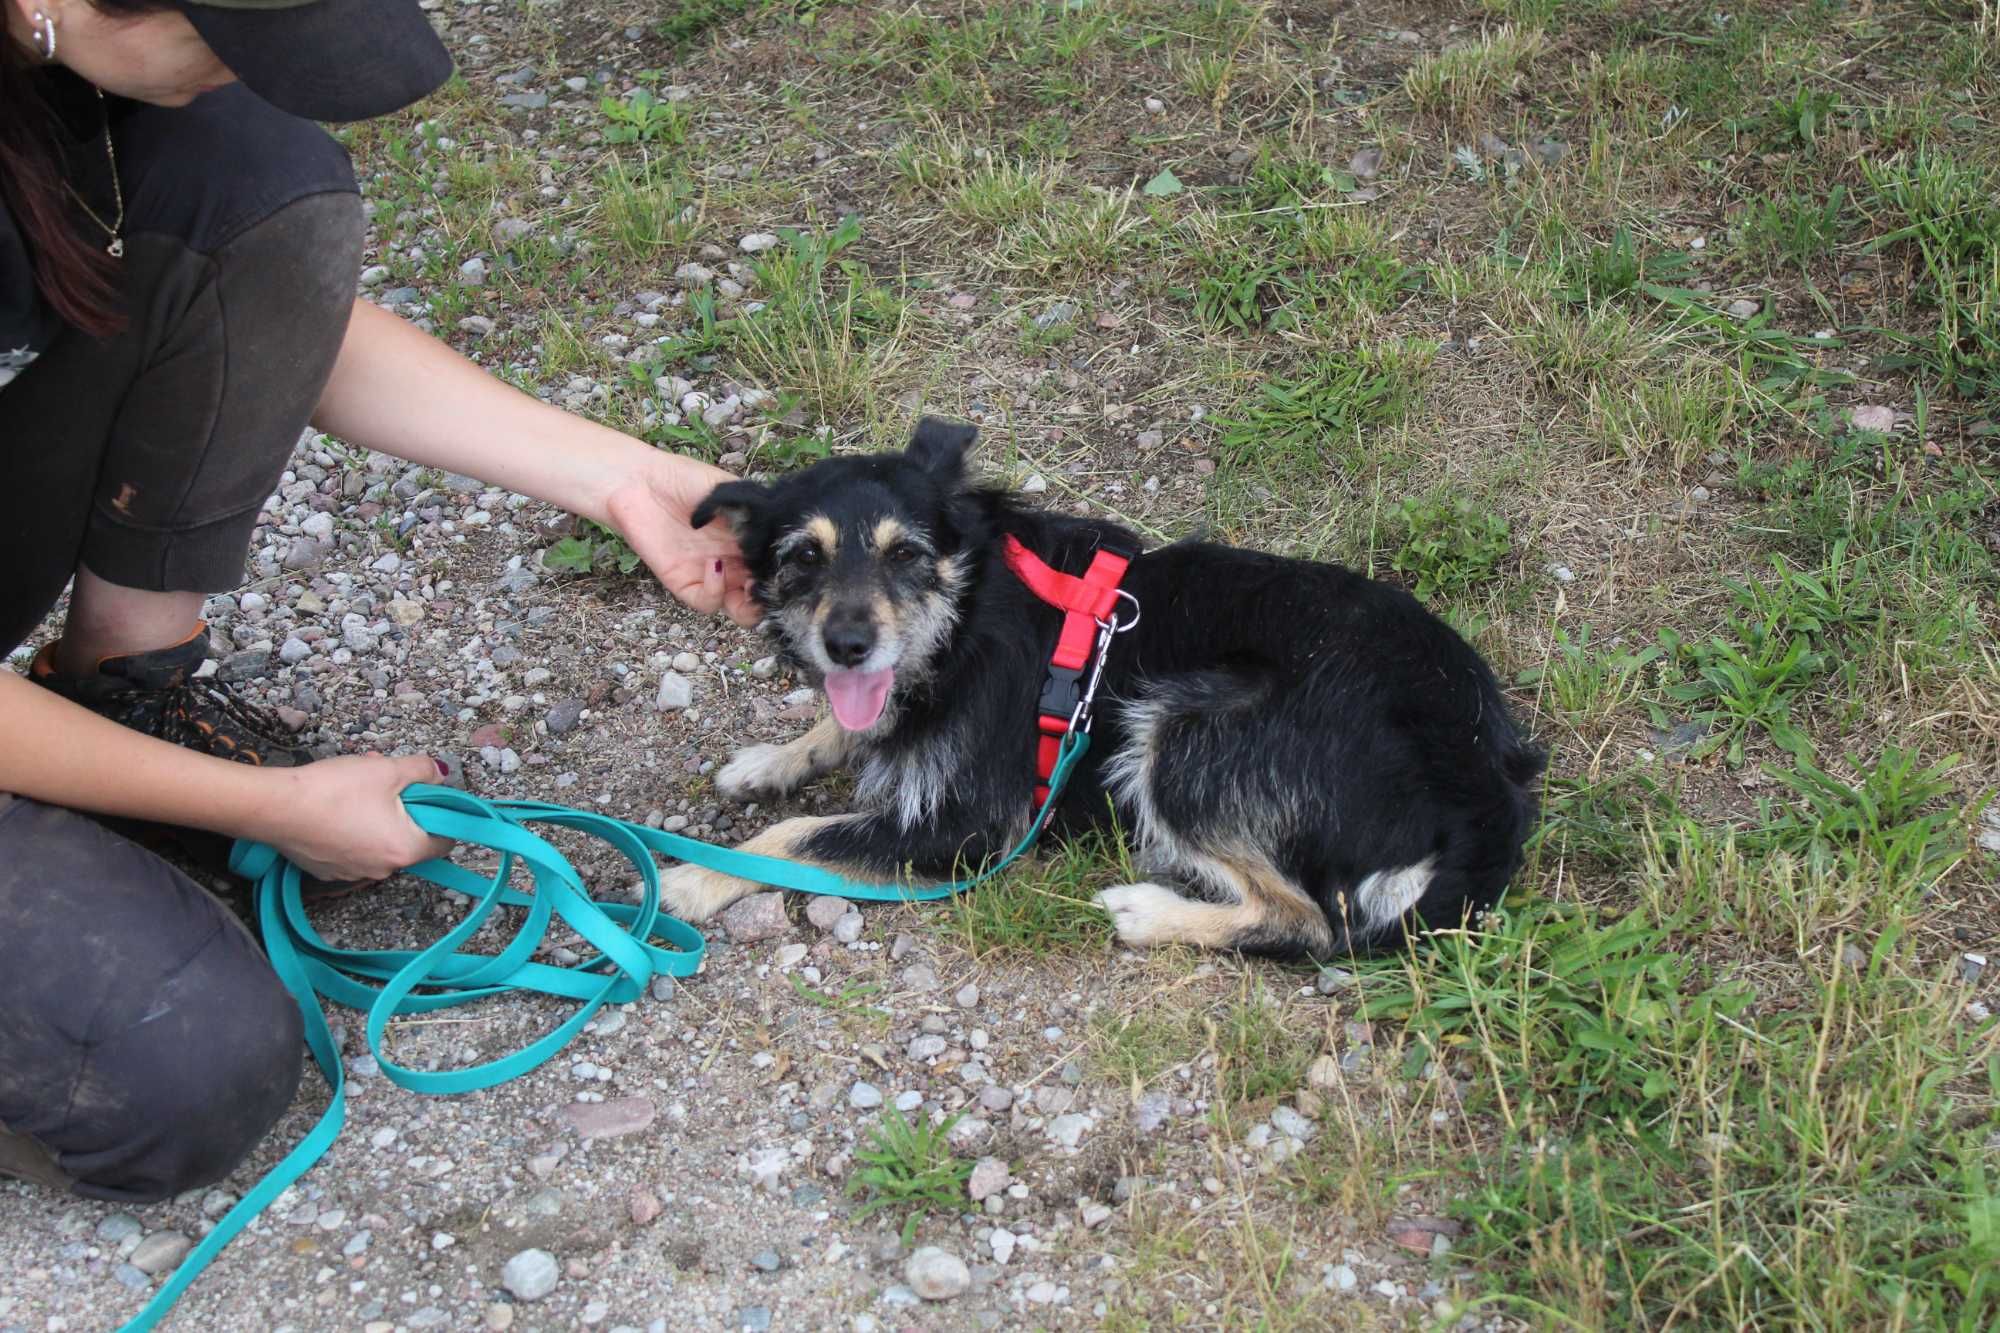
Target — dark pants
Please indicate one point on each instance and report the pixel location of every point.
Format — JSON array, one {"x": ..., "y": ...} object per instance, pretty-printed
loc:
[{"x": 145, "y": 1045}]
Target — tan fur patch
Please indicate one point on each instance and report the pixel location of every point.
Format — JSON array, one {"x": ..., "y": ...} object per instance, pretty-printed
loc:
[
  {"x": 887, "y": 615},
  {"x": 1278, "y": 904},
  {"x": 951, "y": 571},
  {"x": 823, "y": 530},
  {"x": 1267, "y": 904},
  {"x": 695, "y": 894},
  {"x": 888, "y": 531}
]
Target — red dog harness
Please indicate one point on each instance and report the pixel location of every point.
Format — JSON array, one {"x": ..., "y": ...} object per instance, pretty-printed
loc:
[{"x": 1089, "y": 606}]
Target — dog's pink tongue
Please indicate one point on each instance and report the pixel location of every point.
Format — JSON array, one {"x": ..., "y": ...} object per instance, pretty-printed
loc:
[{"x": 858, "y": 696}]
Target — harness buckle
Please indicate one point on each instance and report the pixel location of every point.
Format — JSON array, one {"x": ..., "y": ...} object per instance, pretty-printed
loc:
[{"x": 1062, "y": 691}]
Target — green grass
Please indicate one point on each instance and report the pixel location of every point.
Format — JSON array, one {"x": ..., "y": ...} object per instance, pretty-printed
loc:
[
  {"x": 1677, "y": 1150},
  {"x": 1328, "y": 411},
  {"x": 1712, "y": 1067},
  {"x": 1044, "y": 905},
  {"x": 1447, "y": 545},
  {"x": 640, "y": 117},
  {"x": 648, "y": 213},
  {"x": 829, "y": 333},
  {"x": 1944, "y": 217},
  {"x": 1795, "y": 229},
  {"x": 985, "y": 192},
  {"x": 908, "y": 1169}
]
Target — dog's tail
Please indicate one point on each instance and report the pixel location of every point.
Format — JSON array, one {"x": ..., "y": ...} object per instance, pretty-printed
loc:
[{"x": 1469, "y": 868}]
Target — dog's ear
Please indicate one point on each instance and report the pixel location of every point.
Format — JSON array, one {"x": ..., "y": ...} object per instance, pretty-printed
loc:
[
  {"x": 939, "y": 447},
  {"x": 736, "y": 501}
]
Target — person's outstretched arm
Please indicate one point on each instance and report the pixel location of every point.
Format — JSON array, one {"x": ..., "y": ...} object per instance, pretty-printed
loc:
[
  {"x": 399, "y": 391},
  {"x": 339, "y": 819}
]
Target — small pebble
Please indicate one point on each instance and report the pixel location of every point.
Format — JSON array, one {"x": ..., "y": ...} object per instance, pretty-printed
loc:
[
  {"x": 674, "y": 693},
  {"x": 160, "y": 1252},
  {"x": 531, "y": 1275},
  {"x": 824, "y": 912},
  {"x": 937, "y": 1276}
]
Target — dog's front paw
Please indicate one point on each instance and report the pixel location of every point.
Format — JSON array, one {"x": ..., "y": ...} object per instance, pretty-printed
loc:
[
  {"x": 694, "y": 894},
  {"x": 760, "y": 771},
  {"x": 1142, "y": 914}
]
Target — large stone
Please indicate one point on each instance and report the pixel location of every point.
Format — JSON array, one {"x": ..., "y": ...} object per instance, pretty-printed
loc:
[
  {"x": 824, "y": 910},
  {"x": 305, "y": 555},
  {"x": 675, "y": 692},
  {"x": 1288, "y": 1121},
  {"x": 161, "y": 1252},
  {"x": 643, "y": 1205},
  {"x": 609, "y": 1120},
  {"x": 936, "y": 1275},
  {"x": 989, "y": 1176},
  {"x": 1068, "y": 1130},
  {"x": 530, "y": 1275},
  {"x": 564, "y": 716},
  {"x": 761, "y": 916},
  {"x": 118, "y": 1228}
]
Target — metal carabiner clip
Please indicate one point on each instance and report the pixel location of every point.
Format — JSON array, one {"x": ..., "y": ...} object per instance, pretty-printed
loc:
[{"x": 1105, "y": 630}]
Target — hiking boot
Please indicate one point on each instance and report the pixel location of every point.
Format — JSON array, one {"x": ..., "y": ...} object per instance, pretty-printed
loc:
[{"x": 157, "y": 693}]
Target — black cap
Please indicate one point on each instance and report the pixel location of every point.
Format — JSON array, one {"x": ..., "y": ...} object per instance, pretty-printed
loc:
[{"x": 335, "y": 60}]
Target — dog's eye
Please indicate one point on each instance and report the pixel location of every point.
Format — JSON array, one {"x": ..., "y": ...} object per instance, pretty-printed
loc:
[
  {"x": 807, "y": 556},
  {"x": 903, "y": 553}
]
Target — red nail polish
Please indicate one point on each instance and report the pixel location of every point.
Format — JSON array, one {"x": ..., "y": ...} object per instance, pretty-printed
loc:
[
  {"x": 718, "y": 566},
  {"x": 444, "y": 769}
]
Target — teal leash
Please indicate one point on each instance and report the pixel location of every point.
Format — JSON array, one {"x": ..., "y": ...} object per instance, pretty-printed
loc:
[{"x": 634, "y": 944}]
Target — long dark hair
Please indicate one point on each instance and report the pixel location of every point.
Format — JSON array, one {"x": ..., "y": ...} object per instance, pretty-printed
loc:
[{"x": 74, "y": 276}]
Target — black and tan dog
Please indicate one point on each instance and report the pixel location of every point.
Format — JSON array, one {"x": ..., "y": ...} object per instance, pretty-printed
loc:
[{"x": 1310, "y": 762}]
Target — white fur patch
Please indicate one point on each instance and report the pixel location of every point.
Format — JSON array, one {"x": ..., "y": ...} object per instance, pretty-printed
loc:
[
  {"x": 1148, "y": 914},
  {"x": 1386, "y": 895},
  {"x": 914, "y": 786},
  {"x": 762, "y": 770}
]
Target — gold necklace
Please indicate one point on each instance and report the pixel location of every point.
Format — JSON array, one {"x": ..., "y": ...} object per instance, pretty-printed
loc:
[{"x": 117, "y": 247}]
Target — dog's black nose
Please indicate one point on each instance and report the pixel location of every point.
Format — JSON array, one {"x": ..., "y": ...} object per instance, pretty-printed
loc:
[{"x": 849, "y": 638}]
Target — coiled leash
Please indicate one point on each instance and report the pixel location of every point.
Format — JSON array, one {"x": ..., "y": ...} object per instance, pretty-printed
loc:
[{"x": 634, "y": 942}]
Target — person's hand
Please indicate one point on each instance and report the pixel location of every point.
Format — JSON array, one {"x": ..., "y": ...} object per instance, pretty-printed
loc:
[
  {"x": 342, "y": 819},
  {"x": 703, "y": 569}
]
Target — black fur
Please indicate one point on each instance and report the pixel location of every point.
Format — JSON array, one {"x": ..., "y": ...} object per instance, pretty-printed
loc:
[{"x": 1301, "y": 716}]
